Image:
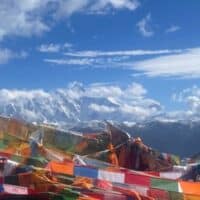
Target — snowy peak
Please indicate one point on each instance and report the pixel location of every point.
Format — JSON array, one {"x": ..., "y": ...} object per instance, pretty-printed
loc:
[{"x": 77, "y": 103}]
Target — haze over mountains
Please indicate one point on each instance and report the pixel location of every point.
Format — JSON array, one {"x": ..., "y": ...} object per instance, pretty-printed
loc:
[{"x": 180, "y": 138}]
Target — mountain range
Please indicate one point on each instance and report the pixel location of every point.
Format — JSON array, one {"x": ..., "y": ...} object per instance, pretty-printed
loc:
[
  {"x": 180, "y": 137},
  {"x": 84, "y": 110},
  {"x": 77, "y": 103}
]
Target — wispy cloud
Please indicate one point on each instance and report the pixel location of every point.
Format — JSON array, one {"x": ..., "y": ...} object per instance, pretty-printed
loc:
[
  {"x": 172, "y": 29},
  {"x": 27, "y": 18},
  {"x": 123, "y": 59},
  {"x": 184, "y": 65},
  {"x": 53, "y": 48},
  {"x": 120, "y": 53},
  {"x": 19, "y": 19},
  {"x": 106, "y": 59},
  {"x": 84, "y": 61},
  {"x": 7, "y": 54},
  {"x": 191, "y": 98},
  {"x": 101, "y": 108},
  {"x": 181, "y": 63},
  {"x": 105, "y": 5},
  {"x": 145, "y": 27},
  {"x": 67, "y": 45}
]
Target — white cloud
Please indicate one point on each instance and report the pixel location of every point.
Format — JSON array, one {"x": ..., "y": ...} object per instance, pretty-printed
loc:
[
  {"x": 28, "y": 17},
  {"x": 105, "y": 59},
  {"x": 136, "y": 90},
  {"x": 139, "y": 52},
  {"x": 181, "y": 63},
  {"x": 7, "y": 54},
  {"x": 52, "y": 48},
  {"x": 184, "y": 65},
  {"x": 138, "y": 111},
  {"x": 86, "y": 62},
  {"x": 104, "y": 5},
  {"x": 21, "y": 18},
  {"x": 69, "y": 7},
  {"x": 105, "y": 91},
  {"x": 81, "y": 62},
  {"x": 129, "y": 103},
  {"x": 173, "y": 28},
  {"x": 101, "y": 108},
  {"x": 110, "y": 59},
  {"x": 67, "y": 45},
  {"x": 10, "y": 95},
  {"x": 66, "y": 8},
  {"x": 190, "y": 98},
  {"x": 144, "y": 26}
]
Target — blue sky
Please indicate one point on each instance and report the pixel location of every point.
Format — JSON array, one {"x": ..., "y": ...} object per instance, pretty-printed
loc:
[{"x": 50, "y": 44}]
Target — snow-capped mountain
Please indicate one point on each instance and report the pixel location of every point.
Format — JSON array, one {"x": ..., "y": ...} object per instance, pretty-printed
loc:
[{"x": 77, "y": 103}]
